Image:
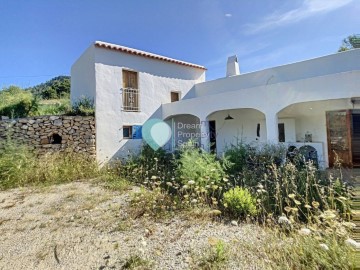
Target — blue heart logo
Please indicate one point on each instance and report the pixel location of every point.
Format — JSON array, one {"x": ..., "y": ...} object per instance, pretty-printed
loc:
[{"x": 156, "y": 133}]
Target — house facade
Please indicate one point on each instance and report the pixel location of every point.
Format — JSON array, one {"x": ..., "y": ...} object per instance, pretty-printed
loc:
[{"x": 313, "y": 103}]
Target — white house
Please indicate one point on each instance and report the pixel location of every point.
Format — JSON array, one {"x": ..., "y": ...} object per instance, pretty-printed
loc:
[{"x": 313, "y": 102}]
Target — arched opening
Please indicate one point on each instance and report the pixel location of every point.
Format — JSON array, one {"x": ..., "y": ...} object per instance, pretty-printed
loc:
[
  {"x": 55, "y": 139},
  {"x": 184, "y": 127},
  {"x": 229, "y": 127},
  {"x": 321, "y": 125}
]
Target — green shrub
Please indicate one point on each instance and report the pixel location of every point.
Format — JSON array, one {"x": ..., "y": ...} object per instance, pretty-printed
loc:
[
  {"x": 203, "y": 168},
  {"x": 54, "y": 107},
  {"x": 237, "y": 155},
  {"x": 285, "y": 187},
  {"x": 239, "y": 202},
  {"x": 150, "y": 167},
  {"x": 16, "y": 103},
  {"x": 83, "y": 106}
]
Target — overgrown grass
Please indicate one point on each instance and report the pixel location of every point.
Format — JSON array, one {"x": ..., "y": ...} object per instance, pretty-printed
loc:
[
  {"x": 169, "y": 182},
  {"x": 54, "y": 107},
  {"x": 192, "y": 177},
  {"x": 215, "y": 257},
  {"x": 280, "y": 251},
  {"x": 21, "y": 166}
]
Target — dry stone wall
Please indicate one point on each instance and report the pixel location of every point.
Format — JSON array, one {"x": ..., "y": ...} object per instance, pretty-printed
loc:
[{"x": 52, "y": 133}]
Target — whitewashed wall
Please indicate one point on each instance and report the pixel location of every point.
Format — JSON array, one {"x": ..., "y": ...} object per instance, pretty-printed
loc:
[
  {"x": 329, "y": 78},
  {"x": 156, "y": 80},
  {"x": 83, "y": 76}
]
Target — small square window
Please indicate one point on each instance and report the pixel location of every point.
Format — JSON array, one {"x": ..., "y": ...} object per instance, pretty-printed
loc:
[
  {"x": 175, "y": 96},
  {"x": 127, "y": 132}
]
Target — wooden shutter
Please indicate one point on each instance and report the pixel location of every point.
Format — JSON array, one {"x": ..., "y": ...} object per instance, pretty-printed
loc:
[
  {"x": 130, "y": 79},
  {"x": 130, "y": 91}
]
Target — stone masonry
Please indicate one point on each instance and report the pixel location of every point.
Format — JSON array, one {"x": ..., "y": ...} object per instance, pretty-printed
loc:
[{"x": 52, "y": 133}]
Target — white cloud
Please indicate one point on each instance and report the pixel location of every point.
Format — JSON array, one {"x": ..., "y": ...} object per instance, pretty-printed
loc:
[
  {"x": 307, "y": 9},
  {"x": 228, "y": 15}
]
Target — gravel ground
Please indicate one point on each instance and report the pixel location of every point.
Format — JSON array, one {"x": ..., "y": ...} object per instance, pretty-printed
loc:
[{"x": 81, "y": 225}]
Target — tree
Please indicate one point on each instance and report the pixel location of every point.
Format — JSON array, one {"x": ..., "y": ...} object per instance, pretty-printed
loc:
[
  {"x": 16, "y": 102},
  {"x": 351, "y": 42},
  {"x": 58, "y": 87}
]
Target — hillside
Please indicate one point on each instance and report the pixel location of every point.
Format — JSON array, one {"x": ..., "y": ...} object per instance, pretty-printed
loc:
[
  {"x": 58, "y": 87},
  {"x": 51, "y": 97}
]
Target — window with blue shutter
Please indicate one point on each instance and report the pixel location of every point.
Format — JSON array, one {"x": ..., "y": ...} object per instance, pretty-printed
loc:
[{"x": 137, "y": 134}]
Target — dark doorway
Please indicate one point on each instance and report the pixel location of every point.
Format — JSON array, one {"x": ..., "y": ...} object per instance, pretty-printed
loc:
[
  {"x": 212, "y": 135},
  {"x": 281, "y": 128},
  {"x": 355, "y": 143}
]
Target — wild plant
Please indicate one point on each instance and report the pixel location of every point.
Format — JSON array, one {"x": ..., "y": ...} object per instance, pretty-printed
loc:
[
  {"x": 239, "y": 202},
  {"x": 83, "y": 106},
  {"x": 297, "y": 189}
]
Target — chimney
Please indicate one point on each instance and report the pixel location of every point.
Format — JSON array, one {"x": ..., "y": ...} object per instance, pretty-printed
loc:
[{"x": 232, "y": 66}]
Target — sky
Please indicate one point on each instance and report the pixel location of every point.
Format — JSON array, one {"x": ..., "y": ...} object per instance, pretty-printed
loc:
[{"x": 41, "y": 39}]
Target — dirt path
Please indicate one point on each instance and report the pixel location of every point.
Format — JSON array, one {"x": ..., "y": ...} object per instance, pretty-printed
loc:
[{"x": 84, "y": 226}]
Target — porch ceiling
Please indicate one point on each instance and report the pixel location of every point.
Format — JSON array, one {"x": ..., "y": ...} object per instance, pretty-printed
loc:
[{"x": 314, "y": 108}]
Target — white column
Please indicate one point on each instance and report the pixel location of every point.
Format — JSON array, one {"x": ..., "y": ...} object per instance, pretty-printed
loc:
[
  {"x": 204, "y": 131},
  {"x": 272, "y": 131}
]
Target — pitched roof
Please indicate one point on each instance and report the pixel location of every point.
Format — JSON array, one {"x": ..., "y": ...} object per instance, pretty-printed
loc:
[{"x": 124, "y": 49}]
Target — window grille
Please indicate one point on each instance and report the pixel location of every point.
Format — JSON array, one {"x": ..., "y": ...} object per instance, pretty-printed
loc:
[
  {"x": 130, "y": 91},
  {"x": 130, "y": 99}
]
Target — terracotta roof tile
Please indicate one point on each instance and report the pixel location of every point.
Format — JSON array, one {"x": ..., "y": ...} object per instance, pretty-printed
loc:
[{"x": 110, "y": 46}]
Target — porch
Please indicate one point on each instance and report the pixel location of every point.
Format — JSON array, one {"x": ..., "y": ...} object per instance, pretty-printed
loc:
[{"x": 300, "y": 125}]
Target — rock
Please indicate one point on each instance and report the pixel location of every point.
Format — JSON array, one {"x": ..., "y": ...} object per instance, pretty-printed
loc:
[
  {"x": 57, "y": 122},
  {"x": 4, "y": 118},
  {"x": 36, "y": 132},
  {"x": 44, "y": 141},
  {"x": 234, "y": 223},
  {"x": 304, "y": 231},
  {"x": 106, "y": 256},
  {"x": 352, "y": 243},
  {"x": 324, "y": 246},
  {"x": 284, "y": 220}
]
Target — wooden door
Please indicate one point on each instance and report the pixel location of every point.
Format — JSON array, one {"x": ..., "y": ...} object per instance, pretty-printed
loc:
[
  {"x": 339, "y": 137},
  {"x": 355, "y": 138}
]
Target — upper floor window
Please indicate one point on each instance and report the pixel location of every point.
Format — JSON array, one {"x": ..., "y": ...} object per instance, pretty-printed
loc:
[
  {"x": 130, "y": 93},
  {"x": 175, "y": 96}
]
